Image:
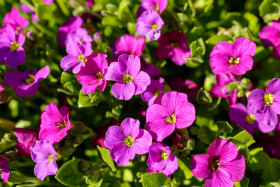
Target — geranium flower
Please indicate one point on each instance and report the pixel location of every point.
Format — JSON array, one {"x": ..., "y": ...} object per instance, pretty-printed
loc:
[
  {"x": 235, "y": 58},
  {"x": 174, "y": 112},
  {"x": 149, "y": 24},
  {"x": 154, "y": 90},
  {"x": 130, "y": 80},
  {"x": 127, "y": 140},
  {"x": 26, "y": 141},
  {"x": 5, "y": 171},
  {"x": 44, "y": 155},
  {"x": 221, "y": 166},
  {"x": 26, "y": 84},
  {"x": 54, "y": 123}
]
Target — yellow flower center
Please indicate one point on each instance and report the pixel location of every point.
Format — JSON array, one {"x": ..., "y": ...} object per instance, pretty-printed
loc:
[
  {"x": 250, "y": 118},
  {"x": 234, "y": 61},
  {"x": 214, "y": 164},
  {"x": 99, "y": 76},
  {"x": 268, "y": 98},
  {"x": 61, "y": 124},
  {"x": 129, "y": 141},
  {"x": 50, "y": 157},
  {"x": 30, "y": 79},
  {"x": 157, "y": 93},
  {"x": 14, "y": 46},
  {"x": 156, "y": 7},
  {"x": 171, "y": 119},
  {"x": 127, "y": 78},
  {"x": 175, "y": 45},
  {"x": 80, "y": 58},
  {"x": 154, "y": 26},
  {"x": 164, "y": 155}
]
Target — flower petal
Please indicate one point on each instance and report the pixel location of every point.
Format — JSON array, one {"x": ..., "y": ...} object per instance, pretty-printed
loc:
[
  {"x": 114, "y": 135},
  {"x": 243, "y": 46},
  {"x": 142, "y": 142},
  {"x": 200, "y": 165},
  {"x": 141, "y": 81},
  {"x": 131, "y": 127},
  {"x": 245, "y": 64},
  {"x": 123, "y": 91},
  {"x": 219, "y": 178},
  {"x": 122, "y": 154},
  {"x": 219, "y": 63},
  {"x": 185, "y": 114},
  {"x": 160, "y": 129},
  {"x": 114, "y": 73},
  {"x": 235, "y": 168}
]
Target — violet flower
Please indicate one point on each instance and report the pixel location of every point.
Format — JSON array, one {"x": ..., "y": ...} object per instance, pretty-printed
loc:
[
  {"x": 221, "y": 166},
  {"x": 235, "y": 58},
  {"x": 150, "y": 69},
  {"x": 80, "y": 33},
  {"x": 77, "y": 55},
  {"x": 266, "y": 104},
  {"x": 130, "y": 80},
  {"x": 173, "y": 45},
  {"x": 26, "y": 84},
  {"x": 26, "y": 141},
  {"x": 154, "y": 90},
  {"x": 11, "y": 50},
  {"x": 174, "y": 112},
  {"x": 5, "y": 171},
  {"x": 92, "y": 75},
  {"x": 157, "y": 5},
  {"x": 54, "y": 123},
  {"x": 127, "y": 140},
  {"x": 149, "y": 24},
  {"x": 160, "y": 158},
  {"x": 44, "y": 155}
]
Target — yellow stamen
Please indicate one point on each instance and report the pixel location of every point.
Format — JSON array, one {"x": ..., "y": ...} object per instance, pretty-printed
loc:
[
  {"x": 80, "y": 58},
  {"x": 99, "y": 76},
  {"x": 30, "y": 79},
  {"x": 129, "y": 141},
  {"x": 234, "y": 61},
  {"x": 250, "y": 118},
  {"x": 157, "y": 93},
  {"x": 156, "y": 7},
  {"x": 164, "y": 155},
  {"x": 154, "y": 26},
  {"x": 61, "y": 124},
  {"x": 14, "y": 46},
  {"x": 50, "y": 157},
  {"x": 171, "y": 119},
  {"x": 127, "y": 78},
  {"x": 268, "y": 98},
  {"x": 214, "y": 164}
]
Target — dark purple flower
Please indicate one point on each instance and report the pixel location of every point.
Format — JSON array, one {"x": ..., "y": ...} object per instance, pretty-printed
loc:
[
  {"x": 5, "y": 171},
  {"x": 26, "y": 84},
  {"x": 149, "y": 24},
  {"x": 173, "y": 45},
  {"x": 270, "y": 144},
  {"x": 11, "y": 50},
  {"x": 44, "y": 155},
  {"x": 186, "y": 86},
  {"x": 154, "y": 90},
  {"x": 160, "y": 158},
  {"x": 221, "y": 166},
  {"x": 127, "y": 140},
  {"x": 150, "y": 69},
  {"x": 26, "y": 141}
]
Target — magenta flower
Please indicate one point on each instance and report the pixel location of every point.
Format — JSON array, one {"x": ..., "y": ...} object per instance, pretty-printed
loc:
[
  {"x": 26, "y": 141},
  {"x": 11, "y": 50},
  {"x": 149, "y": 24},
  {"x": 54, "y": 123},
  {"x": 221, "y": 166},
  {"x": 80, "y": 33},
  {"x": 154, "y": 90},
  {"x": 92, "y": 75},
  {"x": 266, "y": 104},
  {"x": 160, "y": 158},
  {"x": 174, "y": 112},
  {"x": 44, "y": 155},
  {"x": 127, "y": 140},
  {"x": 173, "y": 45},
  {"x": 5, "y": 171},
  {"x": 157, "y": 5},
  {"x": 235, "y": 58},
  {"x": 130, "y": 80},
  {"x": 26, "y": 84},
  {"x": 77, "y": 55}
]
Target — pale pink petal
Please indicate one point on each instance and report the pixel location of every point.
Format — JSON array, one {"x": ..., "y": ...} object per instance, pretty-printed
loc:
[
  {"x": 141, "y": 81},
  {"x": 123, "y": 91}
]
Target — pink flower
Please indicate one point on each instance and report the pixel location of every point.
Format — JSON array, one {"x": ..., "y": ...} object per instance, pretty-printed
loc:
[
  {"x": 54, "y": 123},
  {"x": 130, "y": 80},
  {"x": 235, "y": 58},
  {"x": 5, "y": 171},
  {"x": 150, "y": 69},
  {"x": 221, "y": 166},
  {"x": 154, "y": 90},
  {"x": 92, "y": 74},
  {"x": 174, "y": 112},
  {"x": 26, "y": 141},
  {"x": 157, "y": 5},
  {"x": 173, "y": 45}
]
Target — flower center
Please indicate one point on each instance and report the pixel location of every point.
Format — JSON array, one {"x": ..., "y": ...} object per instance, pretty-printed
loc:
[
  {"x": 175, "y": 45},
  {"x": 99, "y": 76},
  {"x": 50, "y": 157},
  {"x": 127, "y": 78},
  {"x": 129, "y": 141},
  {"x": 268, "y": 98},
  {"x": 156, "y": 7},
  {"x": 80, "y": 58},
  {"x": 14, "y": 46},
  {"x": 250, "y": 118},
  {"x": 157, "y": 93},
  {"x": 30, "y": 79},
  {"x": 164, "y": 155},
  {"x": 234, "y": 61},
  {"x": 214, "y": 164},
  {"x": 154, "y": 26},
  {"x": 171, "y": 119},
  {"x": 61, "y": 124}
]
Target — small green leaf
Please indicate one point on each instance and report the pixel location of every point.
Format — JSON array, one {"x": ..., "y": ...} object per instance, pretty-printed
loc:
[
  {"x": 206, "y": 135},
  {"x": 105, "y": 156},
  {"x": 243, "y": 183},
  {"x": 183, "y": 172},
  {"x": 217, "y": 38},
  {"x": 275, "y": 184},
  {"x": 271, "y": 172},
  {"x": 88, "y": 100},
  {"x": 243, "y": 139},
  {"x": 259, "y": 159},
  {"x": 225, "y": 125},
  {"x": 230, "y": 16},
  {"x": 155, "y": 180},
  {"x": 45, "y": 11}
]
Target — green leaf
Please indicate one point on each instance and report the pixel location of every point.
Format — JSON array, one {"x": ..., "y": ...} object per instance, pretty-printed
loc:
[
  {"x": 230, "y": 16},
  {"x": 243, "y": 139},
  {"x": 275, "y": 184},
  {"x": 259, "y": 159},
  {"x": 18, "y": 178},
  {"x": 62, "y": 6},
  {"x": 66, "y": 77},
  {"x": 155, "y": 180},
  {"x": 110, "y": 21},
  {"x": 183, "y": 172},
  {"x": 243, "y": 183},
  {"x": 89, "y": 100},
  {"x": 269, "y": 10},
  {"x": 271, "y": 172},
  {"x": 45, "y": 11},
  {"x": 217, "y": 38},
  {"x": 224, "y": 125},
  {"x": 206, "y": 135},
  {"x": 105, "y": 156}
]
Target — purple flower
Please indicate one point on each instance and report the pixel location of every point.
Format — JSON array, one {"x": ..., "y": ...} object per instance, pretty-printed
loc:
[
  {"x": 174, "y": 112},
  {"x": 127, "y": 140},
  {"x": 235, "y": 58},
  {"x": 77, "y": 55},
  {"x": 160, "y": 158},
  {"x": 92, "y": 75},
  {"x": 186, "y": 86},
  {"x": 157, "y": 5},
  {"x": 130, "y": 80},
  {"x": 44, "y": 155},
  {"x": 26, "y": 84},
  {"x": 149, "y": 24},
  {"x": 79, "y": 33},
  {"x": 25, "y": 8},
  {"x": 221, "y": 166},
  {"x": 154, "y": 90},
  {"x": 54, "y": 123},
  {"x": 5, "y": 171},
  {"x": 11, "y": 50},
  {"x": 173, "y": 45},
  {"x": 266, "y": 104},
  {"x": 150, "y": 69},
  {"x": 26, "y": 141}
]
